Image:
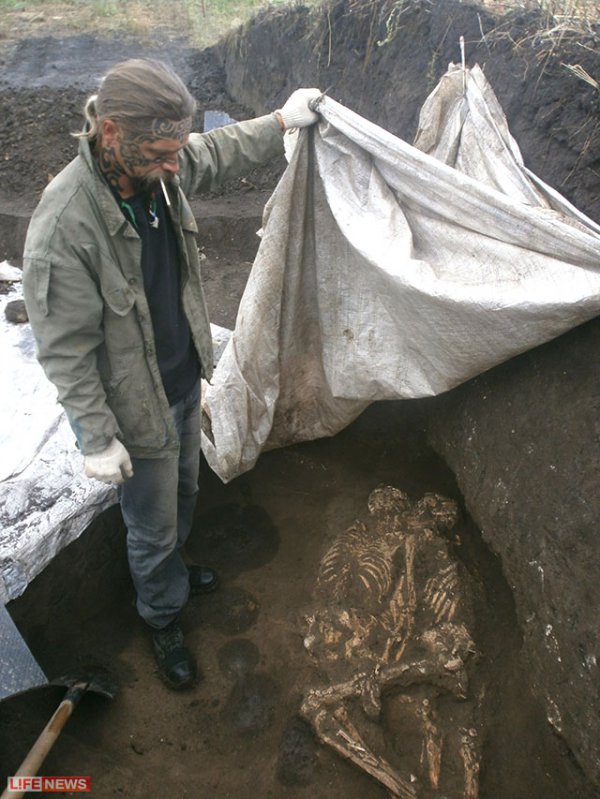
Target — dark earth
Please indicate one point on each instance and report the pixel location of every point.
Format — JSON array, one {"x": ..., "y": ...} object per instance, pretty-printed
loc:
[{"x": 239, "y": 733}]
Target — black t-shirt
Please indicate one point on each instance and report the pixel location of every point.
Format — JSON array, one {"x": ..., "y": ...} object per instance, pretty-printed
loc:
[{"x": 177, "y": 358}]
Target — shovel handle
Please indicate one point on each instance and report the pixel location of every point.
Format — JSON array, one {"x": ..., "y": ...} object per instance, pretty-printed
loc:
[{"x": 47, "y": 738}]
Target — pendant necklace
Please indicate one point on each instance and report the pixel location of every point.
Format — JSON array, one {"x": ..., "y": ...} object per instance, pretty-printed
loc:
[
  {"x": 152, "y": 212},
  {"x": 154, "y": 220}
]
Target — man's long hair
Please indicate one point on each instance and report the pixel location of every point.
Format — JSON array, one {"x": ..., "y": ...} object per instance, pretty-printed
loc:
[{"x": 134, "y": 93}]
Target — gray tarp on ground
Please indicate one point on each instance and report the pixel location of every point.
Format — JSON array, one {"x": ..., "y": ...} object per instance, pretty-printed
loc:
[
  {"x": 386, "y": 272},
  {"x": 45, "y": 499}
]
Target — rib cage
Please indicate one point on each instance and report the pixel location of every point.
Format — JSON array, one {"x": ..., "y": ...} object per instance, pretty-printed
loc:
[
  {"x": 442, "y": 593},
  {"x": 356, "y": 565}
]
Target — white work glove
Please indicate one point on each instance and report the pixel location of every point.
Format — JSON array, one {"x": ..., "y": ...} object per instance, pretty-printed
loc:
[
  {"x": 297, "y": 111},
  {"x": 112, "y": 465}
]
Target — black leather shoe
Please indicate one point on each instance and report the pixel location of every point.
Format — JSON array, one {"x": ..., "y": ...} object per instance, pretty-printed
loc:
[
  {"x": 203, "y": 579},
  {"x": 176, "y": 665}
]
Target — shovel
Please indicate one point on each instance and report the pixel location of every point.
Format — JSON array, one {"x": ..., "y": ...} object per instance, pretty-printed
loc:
[
  {"x": 20, "y": 672},
  {"x": 97, "y": 681}
]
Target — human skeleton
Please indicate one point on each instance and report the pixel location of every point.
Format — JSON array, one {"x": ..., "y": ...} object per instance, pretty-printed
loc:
[{"x": 393, "y": 619}]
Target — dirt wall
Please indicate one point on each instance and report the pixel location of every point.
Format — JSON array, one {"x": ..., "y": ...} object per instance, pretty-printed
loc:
[
  {"x": 523, "y": 443},
  {"x": 385, "y": 75}
]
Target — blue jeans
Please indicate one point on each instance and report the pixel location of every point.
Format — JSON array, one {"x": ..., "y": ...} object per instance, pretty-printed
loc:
[{"x": 158, "y": 508}]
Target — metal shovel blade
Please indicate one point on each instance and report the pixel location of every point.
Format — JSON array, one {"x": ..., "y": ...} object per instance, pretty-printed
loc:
[
  {"x": 19, "y": 670},
  {"x": 95, "y": 679}
]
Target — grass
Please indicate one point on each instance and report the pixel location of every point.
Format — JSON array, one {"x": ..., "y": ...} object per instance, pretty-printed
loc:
[
  {"x": 565, "y": 25},
  {"x": 202, "y": 22},
  {"x": 560, "y": 23}
]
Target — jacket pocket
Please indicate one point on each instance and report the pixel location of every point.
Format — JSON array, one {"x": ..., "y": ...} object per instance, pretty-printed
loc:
[
  {"x": 122, "y": 331},
  {"x": 137, "y": 410},
  {"x": 117, "y": 294}
]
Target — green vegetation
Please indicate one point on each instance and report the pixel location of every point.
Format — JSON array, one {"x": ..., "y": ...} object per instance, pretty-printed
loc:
[{"x": 202, "y": 22}]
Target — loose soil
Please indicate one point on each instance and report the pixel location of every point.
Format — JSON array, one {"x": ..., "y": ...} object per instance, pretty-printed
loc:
[{"x": 238, "y": 733}]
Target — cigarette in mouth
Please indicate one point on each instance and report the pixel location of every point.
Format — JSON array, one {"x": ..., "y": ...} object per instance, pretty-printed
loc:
[{"x": 164, "y": 188}]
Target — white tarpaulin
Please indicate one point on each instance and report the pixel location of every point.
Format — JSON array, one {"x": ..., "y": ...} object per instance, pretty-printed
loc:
[
  {"x": 386, "y": 272},
  {"x": 45, "y": 499}
]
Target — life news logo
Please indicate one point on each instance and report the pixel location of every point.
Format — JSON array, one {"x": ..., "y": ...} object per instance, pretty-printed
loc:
[{"x": 50, "y": 784}]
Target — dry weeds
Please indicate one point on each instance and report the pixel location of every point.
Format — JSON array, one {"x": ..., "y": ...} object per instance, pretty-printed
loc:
[
  {"x": 203, "y": 22},
  {"x": 200, "y": 22}
]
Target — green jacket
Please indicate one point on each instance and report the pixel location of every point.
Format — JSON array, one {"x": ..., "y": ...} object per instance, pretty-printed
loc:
[{"x": 85, "y": 297}]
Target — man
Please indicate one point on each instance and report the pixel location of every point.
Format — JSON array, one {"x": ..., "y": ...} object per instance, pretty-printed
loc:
[{"x": 112, "y": 287}]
